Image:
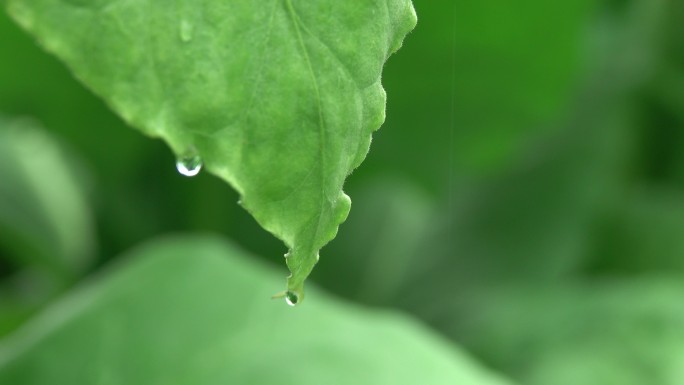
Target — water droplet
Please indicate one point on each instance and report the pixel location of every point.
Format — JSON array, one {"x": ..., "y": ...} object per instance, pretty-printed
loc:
[
  {"x": 189, "y": 164},
  {"x": 291, "y": 298},
  {"x": 186, "y": 31}
]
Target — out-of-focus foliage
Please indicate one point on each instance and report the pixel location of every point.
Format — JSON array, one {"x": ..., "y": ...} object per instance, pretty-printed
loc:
[
  {"x": 44, "y": 216},
  {"x": 525, "y": 197},
  {"x": 46, "y": 225},
  {"x": 193, "y": 310},
  {"x": 620, "y": 331},
  {"x": 378, "y": 248}
]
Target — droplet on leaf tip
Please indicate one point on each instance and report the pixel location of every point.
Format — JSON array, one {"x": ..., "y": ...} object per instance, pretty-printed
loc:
[
  {"x": 291, "y": 298},
  {"x": 189, "y": 164}
]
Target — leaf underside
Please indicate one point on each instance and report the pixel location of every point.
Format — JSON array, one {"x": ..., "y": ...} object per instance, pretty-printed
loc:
[{"x": 278, "y": 97}]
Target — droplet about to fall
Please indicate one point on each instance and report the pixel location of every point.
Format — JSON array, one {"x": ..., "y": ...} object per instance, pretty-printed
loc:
[
  {"x": 189, "y": 164},
  {"x": 291, "y": 298}
]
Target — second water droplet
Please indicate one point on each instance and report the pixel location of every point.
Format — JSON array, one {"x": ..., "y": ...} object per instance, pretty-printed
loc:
[{"x": 189, "y": 165}]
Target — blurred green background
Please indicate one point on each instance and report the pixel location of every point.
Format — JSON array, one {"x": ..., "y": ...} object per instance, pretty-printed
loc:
[{"x": 524, "y": 198}]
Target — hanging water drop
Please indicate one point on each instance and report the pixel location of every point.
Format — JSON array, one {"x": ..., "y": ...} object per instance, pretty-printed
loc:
[
  {"x": 291, "y": 298},
  {"x": 186, "y": 30},
  {"x": 189, "y": 164}
]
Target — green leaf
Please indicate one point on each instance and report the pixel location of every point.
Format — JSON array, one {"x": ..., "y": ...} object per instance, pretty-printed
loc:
[
  {"x": 279, "y": 98},
  {"x": 192, "y": 311},
  {"x": 45, "y": 221}
]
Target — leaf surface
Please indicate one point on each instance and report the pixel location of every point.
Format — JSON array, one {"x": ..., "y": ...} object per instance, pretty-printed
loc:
[
  {"x": 190, "y": 310},
  {"x": 279, "y": 97}
]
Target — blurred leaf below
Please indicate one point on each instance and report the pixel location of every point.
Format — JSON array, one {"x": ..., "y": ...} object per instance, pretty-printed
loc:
[{"x": 194, "y": 310}]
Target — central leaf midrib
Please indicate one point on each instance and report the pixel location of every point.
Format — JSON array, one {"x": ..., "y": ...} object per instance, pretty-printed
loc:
[{"x": 321, "y": 126}]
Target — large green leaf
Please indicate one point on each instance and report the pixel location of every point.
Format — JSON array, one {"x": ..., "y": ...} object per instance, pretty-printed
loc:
[
  {"x": 279, "y": 98},
  {"x": 192, "y": 311}
]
